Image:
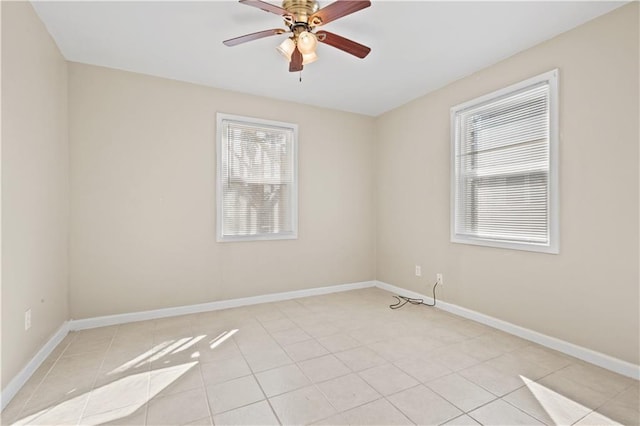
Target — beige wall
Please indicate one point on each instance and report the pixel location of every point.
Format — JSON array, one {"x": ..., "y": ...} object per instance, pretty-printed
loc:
[
  {"x": 143, "y": 197},
  {"x": 588, "y": 294},
  {"x": 35, "y": 186}
]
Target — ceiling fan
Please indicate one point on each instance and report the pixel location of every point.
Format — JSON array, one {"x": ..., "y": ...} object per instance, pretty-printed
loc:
[{"x": 302, "y": 17}]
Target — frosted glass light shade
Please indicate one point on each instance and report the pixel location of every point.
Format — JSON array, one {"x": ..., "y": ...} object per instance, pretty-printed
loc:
[
  {"x": 307, "y": 58},
  {"x": 307, "y": 42},
  {"x": 286, "y": 48}
]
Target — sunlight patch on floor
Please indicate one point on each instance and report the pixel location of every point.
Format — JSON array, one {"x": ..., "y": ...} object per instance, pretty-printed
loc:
[
  {"x": 112, "y": 401},
  {"x": 221, "y": 338},
  {"x": 190, "y": 343},
  {"x": 559, "y": 408},
  {"x": 161, "y": 350},
  {"x": 129, "y": 364}
]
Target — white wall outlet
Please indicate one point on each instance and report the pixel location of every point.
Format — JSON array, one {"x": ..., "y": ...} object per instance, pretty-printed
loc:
[
  {"x": 27, "y": 319},
  {"x": 418, "y": 271},
  {"x": 439, "y": 279}
]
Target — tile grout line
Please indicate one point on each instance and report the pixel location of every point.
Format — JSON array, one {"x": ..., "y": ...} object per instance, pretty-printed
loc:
[
  {"x": 386, "y": 397},
  {"x": 95, "y": 379},
  {"x": 315, "y": 385},
  {"x": 206, "y": 394},
  {"x": 296, "y": 363},
  {"x": 389, "y": 362},
  {"x": 24, "y": 405},
  {"x": 253, "y": 374},
  {"x": 351, "y": 371}
]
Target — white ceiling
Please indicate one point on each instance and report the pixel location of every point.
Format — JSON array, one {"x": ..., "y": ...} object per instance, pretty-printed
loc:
[{"x": 417, "y": 46}]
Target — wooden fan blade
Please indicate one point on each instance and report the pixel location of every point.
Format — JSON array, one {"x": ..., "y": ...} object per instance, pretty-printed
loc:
[
  {"x": 344, "y": 44},
  {"x": 267, "y": 7},
  {"x": 296, "y": 61},
  {"x": 337, "y": 10},
  {"x": 253, "y": 36}
]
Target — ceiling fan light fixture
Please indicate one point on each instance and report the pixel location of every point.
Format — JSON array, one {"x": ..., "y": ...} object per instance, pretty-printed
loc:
[
  {"x": 307, "y": 42},
  {"x": 302, "y": 17},
  {"x": 286, "y": 48},
  {"x": 307, "y": 58}
]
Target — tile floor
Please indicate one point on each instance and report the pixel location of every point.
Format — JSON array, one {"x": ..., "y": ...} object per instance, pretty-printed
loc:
[{"x": 337, "y": 359}]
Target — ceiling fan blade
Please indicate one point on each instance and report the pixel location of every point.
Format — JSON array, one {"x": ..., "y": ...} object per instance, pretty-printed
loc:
[
  {"x": 296, "y": 61},
  {"x": 344, "y": 44},
  {"x": 253, "y": 36},
  {"x": 336, "y": 10},
  {"x": 267, "y": 7}
]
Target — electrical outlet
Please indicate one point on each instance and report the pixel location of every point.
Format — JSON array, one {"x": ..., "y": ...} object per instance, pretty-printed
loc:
[
  {"x": 27, "y": 319},
  {"x": 418, "y": 271},
  {"x": 439, "y": 279}
]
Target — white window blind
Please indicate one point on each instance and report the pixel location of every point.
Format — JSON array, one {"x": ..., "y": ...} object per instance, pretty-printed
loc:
[
  {"x": 504, "y": 187},
  {"x": 257, "y": 179}
]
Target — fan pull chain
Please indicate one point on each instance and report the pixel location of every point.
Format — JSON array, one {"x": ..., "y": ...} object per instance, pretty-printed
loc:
[{"x": 300, "y": 77}]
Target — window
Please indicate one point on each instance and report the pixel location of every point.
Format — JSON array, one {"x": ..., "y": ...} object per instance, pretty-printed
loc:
[
  {"x": 256, "y": 179},
  {"x": 504, "y": 167}
]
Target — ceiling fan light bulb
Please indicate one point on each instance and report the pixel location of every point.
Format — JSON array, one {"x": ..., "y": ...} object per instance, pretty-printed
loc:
[
  {"x": 286, "y": 48},
  {"x": 307, "y": 42},
  {"x": 307, "y": 58}
]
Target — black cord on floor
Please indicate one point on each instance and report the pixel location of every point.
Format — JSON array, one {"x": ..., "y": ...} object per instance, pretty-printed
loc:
[{"x": 403, "y": 300}]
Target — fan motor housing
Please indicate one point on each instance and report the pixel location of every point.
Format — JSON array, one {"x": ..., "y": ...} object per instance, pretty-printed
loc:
[{"x": 301, "y": 9}]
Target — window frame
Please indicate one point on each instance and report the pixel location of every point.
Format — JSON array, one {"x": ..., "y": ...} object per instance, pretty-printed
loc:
[
  {"x": 220, "y": 236},
  {"x": 553, "y": 196}
]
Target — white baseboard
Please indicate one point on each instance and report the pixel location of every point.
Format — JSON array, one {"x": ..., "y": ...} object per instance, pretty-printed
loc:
[
  {"x": 83, "y": 324},
  {"x": 602, "y": 360},
  {"x": 21, "y": 378}
]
